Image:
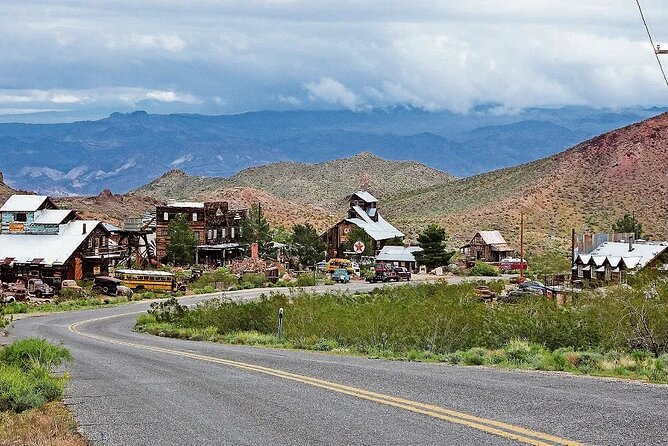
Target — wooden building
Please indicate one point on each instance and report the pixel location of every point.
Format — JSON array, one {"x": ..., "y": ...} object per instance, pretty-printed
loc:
[
  {"x": 40, "y": 241},
  {"x": 216, "y": 226},
  {"x": 362, "y": 213},
  {"x": 487, "y": 246},
  {"x": 613, "y": 261}
]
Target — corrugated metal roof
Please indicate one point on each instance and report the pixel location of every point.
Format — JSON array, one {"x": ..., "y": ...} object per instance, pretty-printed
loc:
[
  {"x": 51, "y": 216},
  {"x": 492, "y": 237},
  {"x": 142, "y": 271},
  {"x": 185, "y": 204},
  {"x": 377, "y": 230},
  {"x": 616, "y": 253},
  {"x": 397, "y": 254},
  {"x": 23, "y": 203},
  {"x": 366, "y": 196},
  {"x": 53, "y": 249}
]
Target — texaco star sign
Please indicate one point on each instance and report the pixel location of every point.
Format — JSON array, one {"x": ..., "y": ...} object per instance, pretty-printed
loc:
[{"x": 358, "y": 247}]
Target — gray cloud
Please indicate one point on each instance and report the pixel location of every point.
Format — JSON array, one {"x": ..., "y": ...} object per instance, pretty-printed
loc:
[{"x": 221, "y": 57}]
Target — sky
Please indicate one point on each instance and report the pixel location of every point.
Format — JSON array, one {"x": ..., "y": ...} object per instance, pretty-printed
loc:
[{"x": 218, "y": 57}]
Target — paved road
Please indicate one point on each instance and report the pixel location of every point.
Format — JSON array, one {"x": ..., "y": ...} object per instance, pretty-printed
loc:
[{"x": 135, "y": 389}]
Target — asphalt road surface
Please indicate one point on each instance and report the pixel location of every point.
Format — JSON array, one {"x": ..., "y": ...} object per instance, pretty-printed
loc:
[{"x": 136, "y": 389}]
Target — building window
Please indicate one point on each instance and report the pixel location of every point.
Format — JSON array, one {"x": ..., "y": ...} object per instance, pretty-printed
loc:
[
  {"x": 21, "y": 216},
  {"x": 208, "y": 234},
  {"x": 223, "y": 233},
  {"x": 194, "y": 216},
  {"x": 165, "y": 216},
  {"x": 580, "y": 271},
  {"x": 215, "y": 233},
  {"x": 232, "y": 233}
]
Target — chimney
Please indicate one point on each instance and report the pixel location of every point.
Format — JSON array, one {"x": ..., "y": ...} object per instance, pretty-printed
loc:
[
  {"x": 631, "y": 237},
  {"x": 255, "y": 251},
  {"x": 84, "y": 228}
]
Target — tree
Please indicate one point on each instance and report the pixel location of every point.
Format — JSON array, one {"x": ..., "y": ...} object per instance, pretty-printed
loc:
[
  {"x": 394, "y": 241},
  {"x": 628, "y": 223},
  {"x": 183, "y": 242},
  {"x": 307, "y": 244},
  {"x": 255, "y": 229},
  {"x": 434, "y": 253},
  {"x": 358, "y": 234}
]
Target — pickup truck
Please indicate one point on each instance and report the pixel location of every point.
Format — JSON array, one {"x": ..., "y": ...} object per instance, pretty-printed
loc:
[{"x": 387, "y": 273}]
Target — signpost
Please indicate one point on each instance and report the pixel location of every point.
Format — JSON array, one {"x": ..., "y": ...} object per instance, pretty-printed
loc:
[{"x": 280, "y": 322}]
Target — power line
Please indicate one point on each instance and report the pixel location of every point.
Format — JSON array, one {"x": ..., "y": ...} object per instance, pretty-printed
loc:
[{"x": 651, "y": 41}]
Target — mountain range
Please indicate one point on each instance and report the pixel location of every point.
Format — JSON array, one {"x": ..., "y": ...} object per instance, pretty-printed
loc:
[
  {"x": 125, "y": 151},
  {"x": 587, "y": 187}
]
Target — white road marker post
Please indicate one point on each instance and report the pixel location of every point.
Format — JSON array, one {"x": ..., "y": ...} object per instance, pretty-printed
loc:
[{"x": 280, "y": 323}]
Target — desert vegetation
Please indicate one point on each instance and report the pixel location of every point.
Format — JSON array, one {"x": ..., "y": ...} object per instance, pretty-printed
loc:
[{"x": 624, "y": 333}]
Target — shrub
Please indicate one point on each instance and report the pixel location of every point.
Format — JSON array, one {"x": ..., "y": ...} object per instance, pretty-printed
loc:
[
  {"x": 306, "y": 280},
  {"x": 25, "y": 378},
  {"x": 15, "y": 308},
  {"x": 32, "y": 353},
  {"x": 484, "y": 269},
  {"x": 257, "y": 280}
]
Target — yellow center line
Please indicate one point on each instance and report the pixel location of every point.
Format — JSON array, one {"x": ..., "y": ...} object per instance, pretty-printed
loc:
[{"x": 501, "y": 429}]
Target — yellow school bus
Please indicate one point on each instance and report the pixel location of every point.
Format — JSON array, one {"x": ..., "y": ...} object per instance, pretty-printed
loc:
[
  {"x": 138, "y": 279},
  {"x": 334, "y": 264}
]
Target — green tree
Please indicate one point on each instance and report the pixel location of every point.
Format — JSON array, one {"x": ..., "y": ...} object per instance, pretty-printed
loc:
[
  {"x": 432, "y": 241},
  {"x": 358, "y": 234},
  {"x": 307, "y": 244},
  {"x": 281, "y": 235},
  {"x": 182, "y": 242},
  {"x": 394, "y": 241},
  {"x": 628, "y": 223},
  {"x": 255, "y": 229}
]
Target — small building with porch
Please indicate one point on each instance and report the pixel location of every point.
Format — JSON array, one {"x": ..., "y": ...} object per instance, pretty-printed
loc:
[
  {"x": 487, "y": 246},
  {"x": 362, "y": 213},
  {"x": 399, "y": 256},
  {"x": 40, "y": 241},
  {"x": 611, "y": 262}
]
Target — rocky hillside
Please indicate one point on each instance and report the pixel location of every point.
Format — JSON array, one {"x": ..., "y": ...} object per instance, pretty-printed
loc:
[
  {"x": 322, "y": 184},
  {"x": 586, "y": 187},
  {"x": 5, "y": 191}
]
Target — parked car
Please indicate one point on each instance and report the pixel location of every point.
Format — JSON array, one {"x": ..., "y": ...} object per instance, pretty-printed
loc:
[
  {"x": 71, "y": 284},
  {"x": 122, "y": 290},
  {"x": 341, "y": 276},
  {"x": 106, "y": 285},
  {"x": 402, "y": 273},
  {"x": 383, "y": 273},
  {"x": 36, "y": 288},
  {"x": 533, "y": 286}
]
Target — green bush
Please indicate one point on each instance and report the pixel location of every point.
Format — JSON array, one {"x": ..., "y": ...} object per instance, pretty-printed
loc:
[
  {"x": 306, "y": 280},
  {"x": 484, "y": 269},
  {"x": 14, "y": 308},
  {"x": 257, "y": 280},
  {"x": 25, "y": 374},
  {"x": 33, "y": 353}
]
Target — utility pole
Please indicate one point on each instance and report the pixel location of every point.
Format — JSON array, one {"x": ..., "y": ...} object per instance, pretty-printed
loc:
[{"x": 521, "y": 246}]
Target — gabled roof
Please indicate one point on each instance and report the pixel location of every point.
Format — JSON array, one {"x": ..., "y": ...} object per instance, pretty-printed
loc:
[
  {"x": 366, "y": 196},
  {"x": 377, "y": 230},
  {"x": 644, "y": 253},
  {"x": 52, "y": 216},
  {"x": 25, "y": 203},
  {"x": 492, "y": 237},
  {"x": 397, "y": 254},
  {"x": 185, "y": 204},
  {"x": 51, "y": 249}
]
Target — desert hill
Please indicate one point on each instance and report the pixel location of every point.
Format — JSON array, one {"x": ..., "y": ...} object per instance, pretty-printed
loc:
[
  {"x": 586, "y": 187},
  {"x": 323, "y": 185}
]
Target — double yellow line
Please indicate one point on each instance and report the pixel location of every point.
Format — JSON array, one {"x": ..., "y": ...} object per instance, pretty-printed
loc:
[{"x": 505, "y": 430}]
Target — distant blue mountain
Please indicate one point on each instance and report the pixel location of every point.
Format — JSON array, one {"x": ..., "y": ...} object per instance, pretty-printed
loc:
[{"x": 126, "y": 150}]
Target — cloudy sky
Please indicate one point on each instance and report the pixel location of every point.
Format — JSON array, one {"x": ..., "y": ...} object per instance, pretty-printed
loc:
[{"x": 227, "y": 57}]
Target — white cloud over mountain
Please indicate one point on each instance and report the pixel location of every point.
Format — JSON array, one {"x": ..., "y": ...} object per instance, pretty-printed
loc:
[{"x": 220, "y": 57}]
